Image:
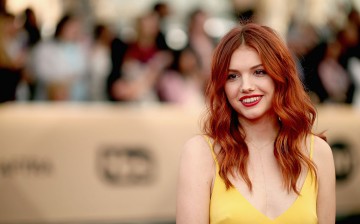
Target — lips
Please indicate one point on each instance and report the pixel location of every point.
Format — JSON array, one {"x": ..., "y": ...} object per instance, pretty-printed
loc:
[{"x": 249, "y": 101}]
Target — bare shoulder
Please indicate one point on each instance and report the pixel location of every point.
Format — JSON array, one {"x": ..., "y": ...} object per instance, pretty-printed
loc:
[
  {"x": 326, "y": 200},
  {"x": 196, "y": 159},
  {"x": 194, "y": 183},
  {"x": 322, "y": 152},
  {"x": 197, "y": 140},
  {"x": 324, "y": 161},
  {"x": 197, "y": 148}
]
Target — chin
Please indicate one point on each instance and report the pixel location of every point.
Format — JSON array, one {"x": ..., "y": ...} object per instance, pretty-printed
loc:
[
  {"x": 255, "y": 116},
  {"x": 250, "y": 116}
]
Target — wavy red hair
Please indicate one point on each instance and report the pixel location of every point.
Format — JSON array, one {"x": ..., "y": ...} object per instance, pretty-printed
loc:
[{"x": 291, "y": 104}]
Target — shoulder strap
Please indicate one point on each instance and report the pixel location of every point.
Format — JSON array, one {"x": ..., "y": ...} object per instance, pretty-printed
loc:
[
  {"x": 311, "y": 146},
  {"x": 211, "y": 146}
]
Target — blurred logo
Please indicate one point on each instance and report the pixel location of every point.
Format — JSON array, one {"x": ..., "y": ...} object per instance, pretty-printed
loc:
[
  {"x": 344, "y": 159},
  {"x": 29, "y": 165},
  {"x": 126, "y": 165}
]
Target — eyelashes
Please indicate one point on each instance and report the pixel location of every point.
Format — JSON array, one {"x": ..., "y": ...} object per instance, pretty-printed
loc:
[
  {"x": 260, "y": 72},
  {"x": 232, "y": 76},
  {"x": 257, "y": 72}
]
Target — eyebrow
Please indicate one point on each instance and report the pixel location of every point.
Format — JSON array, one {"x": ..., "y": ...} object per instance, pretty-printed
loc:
[
  {"x": 251, "y": 68},
  {"x": 256, "y": 66}
]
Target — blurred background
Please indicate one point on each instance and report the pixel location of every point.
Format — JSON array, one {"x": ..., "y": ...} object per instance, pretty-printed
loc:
[{"x": 97, "y": 98}]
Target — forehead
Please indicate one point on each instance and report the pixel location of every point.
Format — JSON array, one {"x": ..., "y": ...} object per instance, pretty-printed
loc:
[{"x": 243, "y": 58}]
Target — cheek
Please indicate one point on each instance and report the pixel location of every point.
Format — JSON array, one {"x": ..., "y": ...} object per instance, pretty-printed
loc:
[
  {"x": 271, "y": 89},
  {"x": 268, "y": 85},
  {"x": 229, "y": 91}
]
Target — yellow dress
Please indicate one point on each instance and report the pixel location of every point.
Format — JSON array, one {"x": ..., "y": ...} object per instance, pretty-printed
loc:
[{"x": 229, "y": 206}]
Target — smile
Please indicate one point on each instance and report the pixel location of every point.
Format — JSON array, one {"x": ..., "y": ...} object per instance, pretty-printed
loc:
[{"x": 250, "y": 101}]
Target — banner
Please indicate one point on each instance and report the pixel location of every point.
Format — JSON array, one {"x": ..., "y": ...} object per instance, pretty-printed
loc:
[
  {"x": 107, "y": 163},
  {"x": 342, "y": 129}
]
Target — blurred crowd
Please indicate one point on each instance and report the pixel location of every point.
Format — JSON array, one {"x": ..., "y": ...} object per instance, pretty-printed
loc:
[{"x": 75, "y": 66}]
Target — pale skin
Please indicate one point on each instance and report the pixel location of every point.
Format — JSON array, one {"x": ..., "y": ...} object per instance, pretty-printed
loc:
[{"x": 197, "y": 167}]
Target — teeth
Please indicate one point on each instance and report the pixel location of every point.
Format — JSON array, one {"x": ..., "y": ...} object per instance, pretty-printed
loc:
[{"x": 251, "y": 100}]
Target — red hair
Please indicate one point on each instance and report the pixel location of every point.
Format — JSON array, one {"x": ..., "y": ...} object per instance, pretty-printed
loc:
[{"x": 291, "y": 104}]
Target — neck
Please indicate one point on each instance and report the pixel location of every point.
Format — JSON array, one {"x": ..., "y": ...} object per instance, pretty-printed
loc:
[
  {"x": 260, "y": 131},
  {"x": 146, "y": 41}
]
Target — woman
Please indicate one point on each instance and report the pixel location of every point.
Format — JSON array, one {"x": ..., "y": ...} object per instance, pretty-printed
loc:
[
  {"x": 183, "y": 83},
  {"x": 258, "y": 161},
  {"x": 144, "y": 62},
  {"x": 60, "y": 64}
]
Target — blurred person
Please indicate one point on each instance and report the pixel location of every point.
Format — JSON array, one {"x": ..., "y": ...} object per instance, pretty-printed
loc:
[
  {"x": 354, "y": 16},
  {"x": 199, "y": 40},
  {"x": 183, "y": 84},
  {"x": 31, "y": 27},
  {"x": 118, "y": 50},
  {"x": 100, "y": 61},
  {"x": 354, "y": 70},
  {"x": 12, "y": 57},
  {"x": 333, "y": 75},
  {"x": 162, "y": 9},
  {"x": 33, "y": 36},
  {"x": 60, "y": 64},
  {"x": 244, "y": 10},
  {"x": 351, "y": 35},
  {"x": 302, "y": 38},
  {"x": 308, "y": 47},
  {"x": 258, "y": 160},
  {"x": 354, "y": 58},
  {"x": 333, "y": 69},
  {"x": 143, "y": 64},
  {"x": 350, "y": 39},
  {"x": 325, "y": 63}
]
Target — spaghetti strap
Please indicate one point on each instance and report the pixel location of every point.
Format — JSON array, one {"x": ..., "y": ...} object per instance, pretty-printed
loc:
[
  {"x": 211, "y": 148},
  {"x": 311, "y": 146}
]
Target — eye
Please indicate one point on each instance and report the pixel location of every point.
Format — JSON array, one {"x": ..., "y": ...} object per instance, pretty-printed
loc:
[
  {"x": 232, "y": 76},
  {"x": 260, "y": 72}
]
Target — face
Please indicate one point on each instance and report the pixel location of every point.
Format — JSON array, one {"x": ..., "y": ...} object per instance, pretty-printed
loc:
[
  {"x": 71, "y": 30},
  {"x": 187, "y": 62},
  {"x": 149, "y": 25},
  {"x": 248, "y": 87}
]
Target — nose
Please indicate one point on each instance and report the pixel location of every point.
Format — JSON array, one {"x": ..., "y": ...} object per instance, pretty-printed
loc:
[{"x": 247, "y": 85}]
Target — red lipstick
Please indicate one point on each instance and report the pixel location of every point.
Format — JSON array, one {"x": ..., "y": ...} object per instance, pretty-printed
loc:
[{"x": 251, "y": 100}]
